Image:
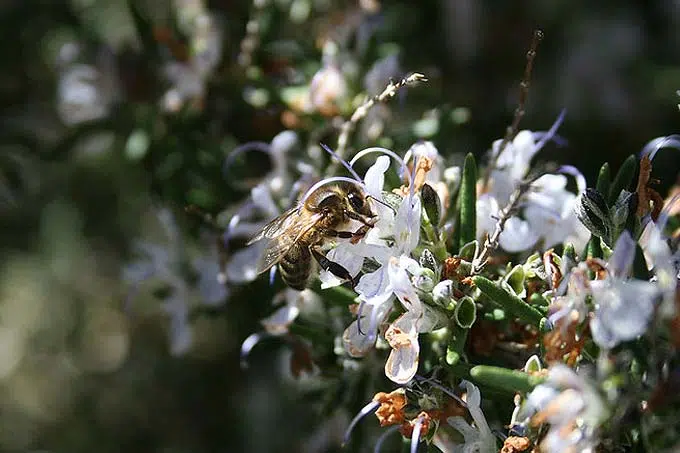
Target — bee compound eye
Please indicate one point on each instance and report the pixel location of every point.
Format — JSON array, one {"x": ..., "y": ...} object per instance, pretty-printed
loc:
[{"x": 356, "y": 201}]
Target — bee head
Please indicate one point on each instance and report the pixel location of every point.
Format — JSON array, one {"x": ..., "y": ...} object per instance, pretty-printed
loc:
[{"x": 358, "y": 202}]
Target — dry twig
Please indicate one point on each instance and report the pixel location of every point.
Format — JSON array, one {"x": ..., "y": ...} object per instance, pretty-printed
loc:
[
  {"x": 389, "y": 92},
  {"x": 512, "y": 130}
]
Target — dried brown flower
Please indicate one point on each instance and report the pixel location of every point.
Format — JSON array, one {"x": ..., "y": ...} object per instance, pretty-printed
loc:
[
  {"x": 552, "y": 268},
  {"x": 563, "y": 340},
  {"x": 515, "y": 444},
  {"x": 425, "y": 419},
  {"x": 646, "y": 195},
  {"x": 391, "y": 410}
]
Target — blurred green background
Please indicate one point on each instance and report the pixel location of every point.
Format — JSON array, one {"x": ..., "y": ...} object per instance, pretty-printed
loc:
[{"x": 103, "y": 143}]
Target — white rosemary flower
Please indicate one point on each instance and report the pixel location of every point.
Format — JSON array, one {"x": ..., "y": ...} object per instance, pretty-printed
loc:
[
  {"x": 389, "y": 243},
  {"x": 547, "y": 213},
  {"x": 660, "y": 259},
  {"x": 571, "y": 406},
  {"x": 328, "y": 86},
  {"x": 294, "y": 302},
  {"x": 478, "y": 437},
  {"x": 623, "y": 307},
  {"x": 85, "y": 92}
]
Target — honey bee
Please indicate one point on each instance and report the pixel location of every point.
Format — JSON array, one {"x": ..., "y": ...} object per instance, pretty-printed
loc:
[{"x": 296, "y": 236}]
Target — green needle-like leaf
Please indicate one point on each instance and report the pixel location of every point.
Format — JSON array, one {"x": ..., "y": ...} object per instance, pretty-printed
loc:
[
  {"x": 604, "y": 179},
  {"x": 468, "y": 200},
  {"x": 508, "y": 301},
  {"x": 466, "y": 312},
  {"x": 594, "y": 247},
  {"x": 454, "y": 349},
  {"x": 505, "y": 379},
  {"x": 623, "y": 178}
]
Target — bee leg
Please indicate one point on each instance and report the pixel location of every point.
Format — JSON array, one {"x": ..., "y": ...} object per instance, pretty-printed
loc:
[
  {"x": 334, "y": 268},
  {"x": 358, "y": 217},
  {"x": 354, "y": 236}
]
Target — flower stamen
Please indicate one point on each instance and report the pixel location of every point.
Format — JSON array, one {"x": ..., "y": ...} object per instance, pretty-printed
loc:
[{"x": 367, "y": 409}]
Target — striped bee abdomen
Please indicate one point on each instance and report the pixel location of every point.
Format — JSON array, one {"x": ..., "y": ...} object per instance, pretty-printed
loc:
[{"x": 296, "y": 266}]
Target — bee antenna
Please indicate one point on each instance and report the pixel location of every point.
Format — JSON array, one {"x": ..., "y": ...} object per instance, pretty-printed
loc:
[
  {"x": 385, "y": 151},
  {"x": 382, "y": 203},
  {"x": 341, "y": 160},
  {"x": 330, "y": 180}
]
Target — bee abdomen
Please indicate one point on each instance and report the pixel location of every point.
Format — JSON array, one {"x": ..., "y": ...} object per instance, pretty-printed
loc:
[{"x": 295, "y": 267}]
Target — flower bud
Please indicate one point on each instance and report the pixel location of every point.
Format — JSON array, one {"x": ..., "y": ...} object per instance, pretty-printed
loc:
[
  {"x": 593, "y": 212},
  {"x": 431, "y": 203},
  {"x": 424, "y": 281},
  {"x": 443, "y": 292}
]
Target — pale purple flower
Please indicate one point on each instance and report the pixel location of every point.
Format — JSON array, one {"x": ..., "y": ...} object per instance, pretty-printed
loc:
[
  {"x": 327, "y": 87},
  {"x": 294, "y": 302},
  {"x": 623, "y": 307},
  {"x": 477, "y": 437},
  {"x": 390, "y": 243},
  {"x": 571, "y": 406},
  {"x": 402, "y": 336},
  {"x": 85, "y": 92},
  {"x": 547, "y": 213},
  {"x": 661, "y": 261}
]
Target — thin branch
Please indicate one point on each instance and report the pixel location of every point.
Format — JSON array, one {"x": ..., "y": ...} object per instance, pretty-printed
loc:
[
  {"x": 389, "y": 92},
  {"x": 512, "y": 130},
  {"x": 492, "y": 241}
]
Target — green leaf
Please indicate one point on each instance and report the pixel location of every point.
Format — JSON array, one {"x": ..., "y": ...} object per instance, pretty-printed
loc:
[
  {"x": 623, "y": 178},
  {"x": 428, "y": 261},
  {"x": 515, "y": 279},
  {"x": 469, "y": 251},
  {"x": 505, "y": 379},
  {"x": 468, "y": 200},
  {"x": 594, "y": 249},
  {"x": 454, "y": 349},
  {"x": 466, "y": 312},
  {"x": 623, "y": 213},
  {"x": 604, "y": 179},
  {"x": 508, "y": 301}
]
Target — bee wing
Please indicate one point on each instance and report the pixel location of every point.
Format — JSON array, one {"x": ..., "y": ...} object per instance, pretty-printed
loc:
[
  {"x": 283, "y": 232},
  {"x": 276, "y": 227}
]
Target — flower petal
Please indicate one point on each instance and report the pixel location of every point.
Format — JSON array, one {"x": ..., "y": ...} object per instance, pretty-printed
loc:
[
  {"x": 517, "y": 235},
  {"x": 372, "y": 287},
  {"x": 407, "y": 224},
  {"x": 402, "y": 336},
  {"x": 278, "y": 322},
  {"x": 400, "y": 284},
  {"x": 487, "y": 211},
  {"x": 357, "y": 344},
  {"x": 375, "y": 177}
]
